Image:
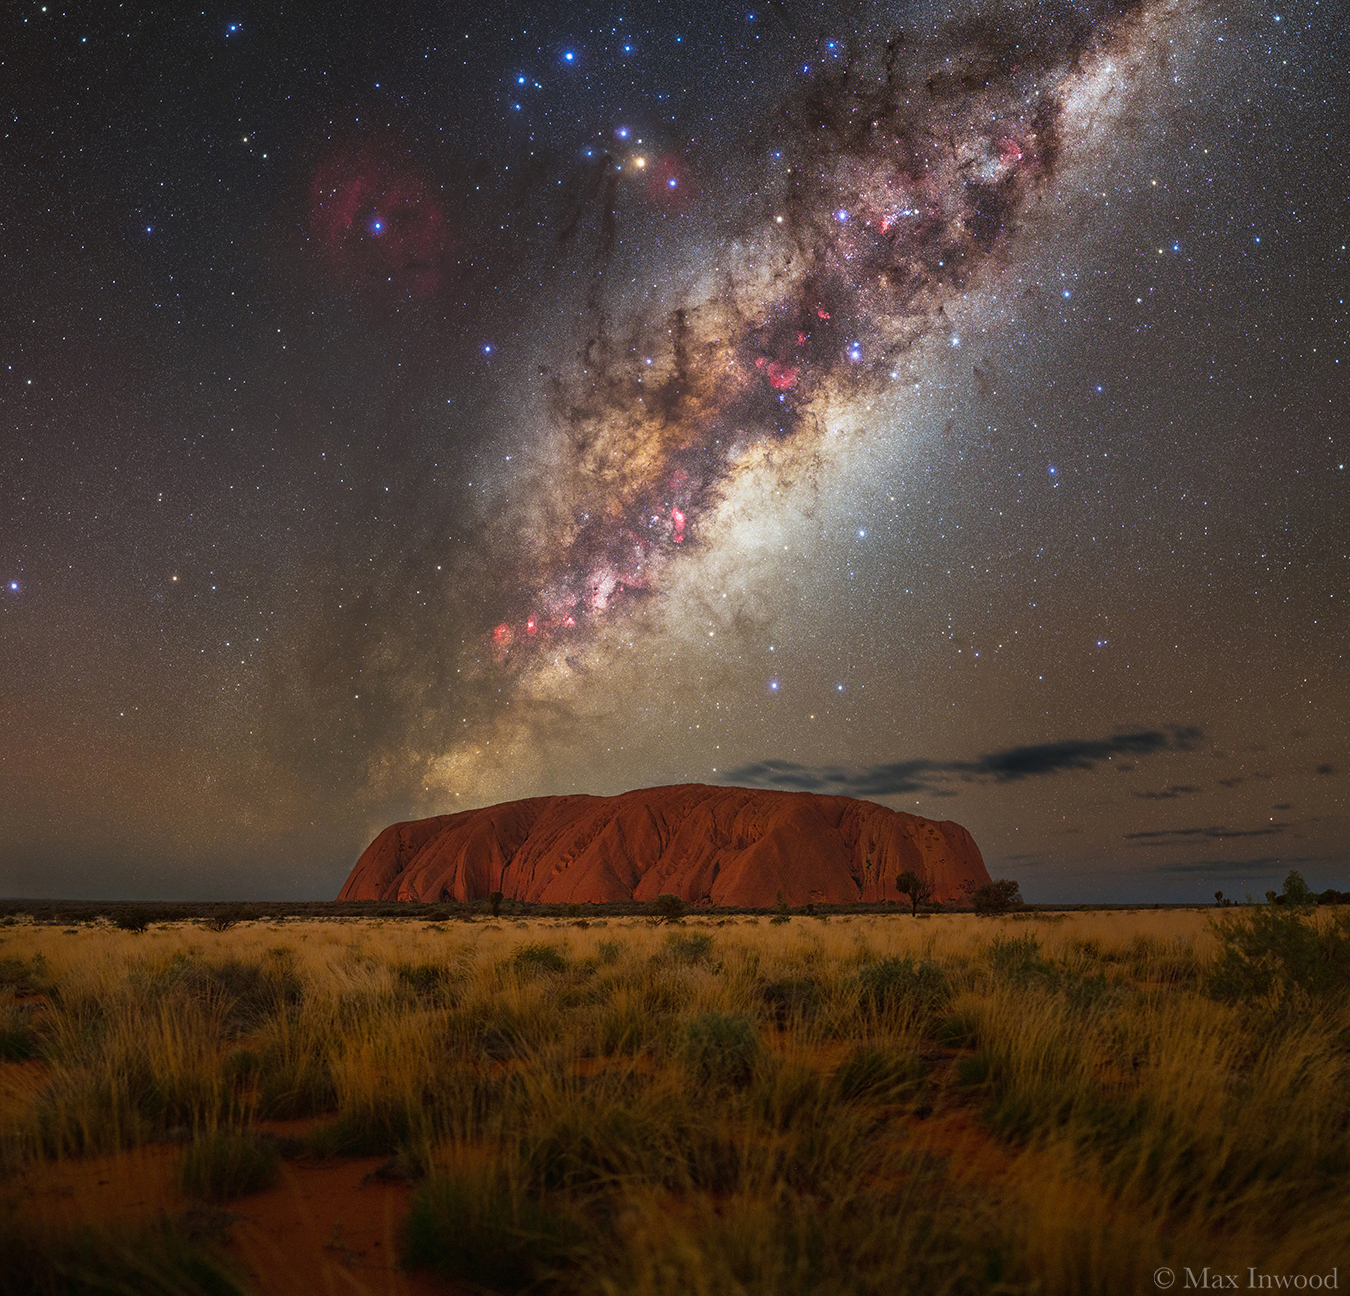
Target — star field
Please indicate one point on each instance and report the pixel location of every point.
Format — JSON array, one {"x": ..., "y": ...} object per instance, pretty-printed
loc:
[{"x": 415, "y": 409}]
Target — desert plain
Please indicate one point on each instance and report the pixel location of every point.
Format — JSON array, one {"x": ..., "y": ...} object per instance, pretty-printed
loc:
[{"x": 718, "y": 1103}]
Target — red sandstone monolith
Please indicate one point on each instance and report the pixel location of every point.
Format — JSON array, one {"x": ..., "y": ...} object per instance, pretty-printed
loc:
[{"x": 714, "y": 845}]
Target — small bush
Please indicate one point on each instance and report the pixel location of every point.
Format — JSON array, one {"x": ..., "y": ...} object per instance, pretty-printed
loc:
[
  {"x": 374, "y": 1129},
  {"x": 539, "y": 958},
  {"x": 24, "y": 978},
  {"x": 134, "y": 920},
  {"x": 609, "y": 951},
  {"x": 669, "y": 907},
  {"x": 721, "y": 1050},
  {"x": 226, "y": 1165},
  {"x": 623, "y": 1029},
  {"x": 691, "y": 948},
  {"x": 252, "y": 992},
  {"x": 17, "y": 1041},
  {"x": 175, "y": 1258},
  {"x": 495, "y": 904},
  {"x": 475, "y": 1230},
  {"x": 795, "y": 998},
  {"x": 223, "y": 919},
  {"x": 1018, "y": 959},
  {"x": 876, "y": 1075},
  {"x": 901, "y": 983},
  {"x": 997, "y": 897},
  {"x": 779, "y": 919},
  {"x": 430, "y": 982},
  {"x": 960, "y": 1030},
  {"x": 1280, "y": 952}
]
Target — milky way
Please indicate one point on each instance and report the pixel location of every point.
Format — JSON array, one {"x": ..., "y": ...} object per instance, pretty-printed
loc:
[{"x": 910, "y": 170}]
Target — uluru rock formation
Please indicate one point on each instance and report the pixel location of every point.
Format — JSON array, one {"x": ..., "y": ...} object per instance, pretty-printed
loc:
[{"x": 723, "y": 845}]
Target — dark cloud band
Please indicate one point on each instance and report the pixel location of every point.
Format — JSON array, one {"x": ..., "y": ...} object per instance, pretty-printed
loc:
[{"x": 1007, "y": 766}]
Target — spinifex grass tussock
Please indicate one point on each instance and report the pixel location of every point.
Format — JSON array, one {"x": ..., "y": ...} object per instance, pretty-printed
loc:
[
  {"x": 165, "y": 1260},
  {"x": 228, "y": 1164},
  {"x": 727, "y": 1106}
]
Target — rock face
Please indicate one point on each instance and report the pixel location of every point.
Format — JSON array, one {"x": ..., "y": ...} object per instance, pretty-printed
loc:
[{"x": 719, "y": 845}]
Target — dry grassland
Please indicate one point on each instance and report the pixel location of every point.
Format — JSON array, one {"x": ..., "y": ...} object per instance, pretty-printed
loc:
[{"x": 858, "y": 1104}]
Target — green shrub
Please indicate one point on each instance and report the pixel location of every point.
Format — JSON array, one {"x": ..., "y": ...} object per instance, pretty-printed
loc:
[
  {"x": 495, "y": 903},
  {"x": 430, "y": 982},
  {"x": 474, "y": 1229},
  {"x": 374, "y": 1129},
  {"x": 792, "y": 999},
  {"x": 252, "y": 992},
  {"x": 690, "y": 948},
  {"x": 592, "y": 1145},
  {"x": 876, "y": 1075},
  {"x": 295, "y": 1081},
  {"x": 669, "y": 907},
  {"x": 721, "y": 1050},
  {"x": 133, "y": 919},
  {"x": 1018, "y": 959},
  {"x": 539, "y": 958},
  {"x": 960, "y": 1030},
  {"x": 997, "y": 897},
  {"x": 892, "y": 984},
  {"x": 623, "y": 1029},
  {"x": 17, "y": 1040},
  {"x": 779, "y": 919},
  {"x": 1280, "y": 952},
  {"x": 226, "y": 1165},
  {"x": 609, "y": 951},
  {"x": 168, "y": 1259},
  {"x": 1297, "y": 893},
  {"x": 24, "y": 977}
]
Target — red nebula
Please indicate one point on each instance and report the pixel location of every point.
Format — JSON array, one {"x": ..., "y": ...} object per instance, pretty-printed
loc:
[
  {"x": 783, "y": 377},
  {"x": 532, "y": 625},
  {"x": 677, "y": 530},
  {"x": 822, "y": 312},
  {"x": 378, "y": 221}
]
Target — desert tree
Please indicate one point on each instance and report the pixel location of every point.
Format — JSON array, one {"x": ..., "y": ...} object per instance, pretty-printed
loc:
[
  {"x": 997, "y": 897},
  {"x": 917, "y": 888}
]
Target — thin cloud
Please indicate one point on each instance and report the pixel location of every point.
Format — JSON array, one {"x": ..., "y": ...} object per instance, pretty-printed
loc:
[
  {"x": 1165, "y": 836},
  {"x": 1169, "y": 793},
  {"x": 1010, "y": 765},
  {"x": 1233, "y": 867}
]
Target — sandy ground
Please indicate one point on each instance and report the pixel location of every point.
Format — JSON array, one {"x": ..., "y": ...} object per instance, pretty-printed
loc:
[{"x": 322, "y": 1229}]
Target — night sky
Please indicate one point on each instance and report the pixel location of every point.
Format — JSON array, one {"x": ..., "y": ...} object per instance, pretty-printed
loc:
[{"x": 410, "y": 407}]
